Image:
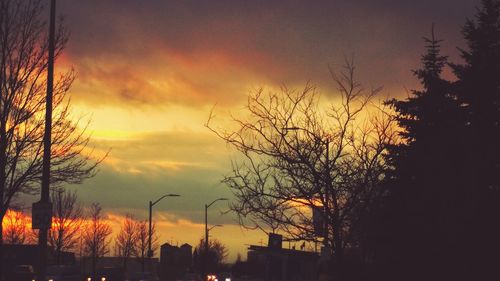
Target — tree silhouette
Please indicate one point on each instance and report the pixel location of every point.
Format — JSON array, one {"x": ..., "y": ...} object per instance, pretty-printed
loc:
[
  {"x": 15, "y": 227},
  {"x": 67, "y": 222},
  {"x": 211, "y": 261},
  {"x": 132, "y": 240},
  {"x": 445, "y": 183},
  {"x": 23, "y": 45},
  {"x": 126, "y": 240},
  {"x": 141, "y": 247},
  {"x": 299, "y": 156},
  {"x": 423, "y": 177},
  {"x": 96, "y": 236},
  {"x": 478, "y": 89}
]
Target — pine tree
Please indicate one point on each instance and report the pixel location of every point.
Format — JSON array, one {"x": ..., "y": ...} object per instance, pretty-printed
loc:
[
  {"x": 423, "y": 179},
  {"x": 478, "y": 89}
]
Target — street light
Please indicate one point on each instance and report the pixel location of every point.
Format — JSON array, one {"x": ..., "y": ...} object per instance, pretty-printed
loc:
[
  {"x": 151, "y": 204},
  {"x": 214, "y": 226},
  {"x": 42, "y": 210},
  {"x": 206, "y": 221}
]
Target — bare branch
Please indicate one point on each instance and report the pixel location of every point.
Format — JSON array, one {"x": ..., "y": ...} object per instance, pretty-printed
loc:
[{"x": 297, "y": 155}]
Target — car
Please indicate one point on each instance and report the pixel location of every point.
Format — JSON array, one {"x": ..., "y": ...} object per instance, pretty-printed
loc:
[
  {"x": 22, "y": 273},
  {"x": 108, "y": 274},
  {"x": 64, "y": 273},
  {"x": 143, "y": 276}
]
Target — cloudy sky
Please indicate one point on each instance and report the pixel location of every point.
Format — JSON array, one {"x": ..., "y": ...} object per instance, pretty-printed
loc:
[{"x": 149, "y": 71}]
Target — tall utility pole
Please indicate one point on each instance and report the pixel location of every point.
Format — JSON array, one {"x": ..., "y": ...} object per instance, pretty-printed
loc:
[
  {"x": 206, "y": 231},
  {"x": 150, "y": 233},
  {"x": 42, "y": 210}
]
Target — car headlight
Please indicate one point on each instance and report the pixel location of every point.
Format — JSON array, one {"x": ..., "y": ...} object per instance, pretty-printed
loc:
[{"x": 89, "y": 279}]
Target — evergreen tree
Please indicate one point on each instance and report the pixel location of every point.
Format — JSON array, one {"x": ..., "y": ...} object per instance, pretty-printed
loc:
[
  {"x": 478, "y": 89},
  {"x": 442, "y": 215},
  {"x": 423, "y": 181}
]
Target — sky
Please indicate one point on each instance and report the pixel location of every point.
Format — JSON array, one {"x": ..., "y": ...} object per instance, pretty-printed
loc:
[{"x": 150, "y": 71}]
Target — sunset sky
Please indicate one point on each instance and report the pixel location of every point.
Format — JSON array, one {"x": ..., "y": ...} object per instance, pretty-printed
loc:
[{"x": 149, "y": 72}]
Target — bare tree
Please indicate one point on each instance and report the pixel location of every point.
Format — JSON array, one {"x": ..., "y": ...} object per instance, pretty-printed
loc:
[
  {"x": 66, "y": 222},
  {"x": 127, "y": 238},
  {"x": 217, "y": 253},
  {"x": 23, "y": 65},
  {"x": 141, "y": 247},
  {"x": 15, "y": 231},
  {"x": 299, "y": 155},
  {"x": 96, "y": 236}
]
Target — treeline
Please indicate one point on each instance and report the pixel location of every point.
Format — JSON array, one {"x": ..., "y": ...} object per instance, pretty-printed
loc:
[{"x": 86, "y": 232}]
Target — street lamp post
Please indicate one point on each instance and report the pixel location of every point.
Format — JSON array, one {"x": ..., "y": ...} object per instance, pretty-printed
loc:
[
  {"x": 206, "y": 221},
  {"x": 213, "y": 226},
  {"x": 151, "y": 204},
  {"x": 42, "y": 210},
  {"x": 205, "y": 256}
]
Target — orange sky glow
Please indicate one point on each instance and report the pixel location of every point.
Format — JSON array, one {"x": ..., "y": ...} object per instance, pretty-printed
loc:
[{"x": 149, "y": 73}]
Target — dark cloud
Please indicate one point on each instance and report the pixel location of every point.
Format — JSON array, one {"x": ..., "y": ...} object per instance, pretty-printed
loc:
[
  {"x": 262, "y": 41},
  {"x": 208, "y": 51}
]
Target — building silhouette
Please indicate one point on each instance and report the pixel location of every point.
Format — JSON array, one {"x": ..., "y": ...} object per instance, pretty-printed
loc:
[{"x": 175, "y": 261}]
